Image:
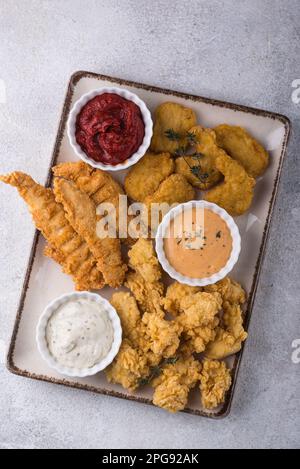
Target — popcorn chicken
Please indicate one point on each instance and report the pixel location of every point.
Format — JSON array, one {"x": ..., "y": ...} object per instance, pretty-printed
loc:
[{"x": 215, "y": 380}]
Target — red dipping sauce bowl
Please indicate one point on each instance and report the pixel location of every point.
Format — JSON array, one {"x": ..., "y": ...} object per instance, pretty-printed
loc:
[{"x": 110, "y": 128}]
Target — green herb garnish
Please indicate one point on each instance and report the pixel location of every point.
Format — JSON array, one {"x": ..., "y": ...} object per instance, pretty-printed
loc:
[
  {"x": 156, "y": 370},
  {"x": 172, "y": 135}
]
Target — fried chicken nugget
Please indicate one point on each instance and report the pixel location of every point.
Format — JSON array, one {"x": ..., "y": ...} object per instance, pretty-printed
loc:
[
  {"x": 128, "y": 368},
  {"x": 230, "y": 336},
  {"x": 70, "y": 249},
  {"x": 129, "y": 314},
  {"x": 198, "y": 318},
  {"x": 215, "y": 381},
  {"x": 172, "y": 387},
  {"x": 237, "y": 142},
  {"x": 235, "y": 194},
  {"x": 171, "y": 116},
  {"x": 205, "y": 145},
  {"x": 143, "y": 260},
  {"x": 81, "y": 213},
  {"x": 144, "y": 178},
  {"x": 230, "y": 291},
  {"x": 175, "y": 293}
]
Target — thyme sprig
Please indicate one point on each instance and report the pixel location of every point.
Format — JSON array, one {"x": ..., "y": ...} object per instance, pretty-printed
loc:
[
  {"x": 156, "y": 370},
  {"x": 172, "y": 135}
]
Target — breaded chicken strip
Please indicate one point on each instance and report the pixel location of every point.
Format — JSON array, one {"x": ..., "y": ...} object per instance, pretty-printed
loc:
[
  {"x": 49, "y": 217},
  {"x": 174, "y": 117},
  {"x": 198, "y": 319},
  {"x": 144, "y": 178},
  {"x": 81, "y": 213},
  {"x": 237, "y": 142},
  {"x": 128, "y": 368},
  {"x": 231, "y": 334},
  {"x": 97, "y": 184},
  {"x": 175, "y": 293},
  {"x": 172, "y": 387},
  {"x": 204, "y": 173},
  {"x": 230, "y": 291},
  {"x": 235, "y": 194},
  {"x": 215, "y": 381}
]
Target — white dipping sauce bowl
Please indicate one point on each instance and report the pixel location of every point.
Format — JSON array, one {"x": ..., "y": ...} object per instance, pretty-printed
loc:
[
  {"x": 42, "y": 342},
  {"x": 164, "y": 225}
]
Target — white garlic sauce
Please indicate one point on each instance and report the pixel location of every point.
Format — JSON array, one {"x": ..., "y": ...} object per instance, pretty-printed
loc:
[{"x": 79, "y": 333}]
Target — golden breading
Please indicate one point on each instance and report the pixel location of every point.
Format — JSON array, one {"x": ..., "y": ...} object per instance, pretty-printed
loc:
[
  {"x": 198, "y": 319},
  {"x": 128, "y": 368},
  {"x": 231, "y": 334},
  {"x": 159, "y": 336},
  {"x": 215, "y": 380},
  {"x": 70, "y": 249},
  {"x": 235, "y": 194},
  {"x": 80, "y": 211},
  {"x": 175, "y": 293},
  {"x": 173, "y": 190},
  {"x": 145, "y": 176},
  {"x": 172, "y": 387},
  {"x": 148, "y": 295},
  {"x": 129, "y": 314},
  {"x": 142, "y": 259},
  {"x": 207, "y": 173},
  {"x": 237, "y": 142},
  {"x": 171, "y": 116},
  {"x": 230, "y": 290}
]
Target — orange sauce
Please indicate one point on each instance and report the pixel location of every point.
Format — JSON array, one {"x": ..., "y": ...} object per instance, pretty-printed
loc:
[{"x": 198, "y": 244}]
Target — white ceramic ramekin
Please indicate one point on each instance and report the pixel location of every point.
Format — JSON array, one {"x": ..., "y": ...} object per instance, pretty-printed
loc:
[
  {"x": 71, "y": 124},
  {"x": 42, "y": 342},
  {"x": 161, "y": 231}
]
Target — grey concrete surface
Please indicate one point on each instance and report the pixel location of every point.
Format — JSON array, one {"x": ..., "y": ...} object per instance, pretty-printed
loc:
[{"x": 237, "y": 50}]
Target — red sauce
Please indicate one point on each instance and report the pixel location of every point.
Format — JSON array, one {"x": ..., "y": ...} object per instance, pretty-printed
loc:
[{"x": 109, "y": 128}]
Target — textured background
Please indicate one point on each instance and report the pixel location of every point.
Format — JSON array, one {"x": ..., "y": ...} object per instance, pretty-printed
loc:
[{"x": 240, "y": 51}]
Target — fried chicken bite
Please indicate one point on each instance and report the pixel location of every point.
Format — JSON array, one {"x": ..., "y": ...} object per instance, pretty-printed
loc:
[
  {"x": 235, "y": 194},
  {"x": 172, "y": 387},
  {"x": 159, "y": 335},
  {"x": 144, "y": 178},
  {"x": 230, "y": 335},
  {"x": 230, "y": 291},
  {"x": 239, "y": 144},
  {"x": 215, "y": 381},
  {"x": 129, "y": 314},
  {"x": 201, "y": 171},
  {"x": 175, "y": 293},
  {"x": 149, "y": 295},
  {"x": 175, "y": 118},
  {"x": 198, "y": 318},
  {"x": 142, "y": 259},
  {"x": 128, "y": 368}
]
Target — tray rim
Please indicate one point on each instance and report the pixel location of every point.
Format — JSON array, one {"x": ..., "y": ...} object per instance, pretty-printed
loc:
[{"x": 74, "y": 79}]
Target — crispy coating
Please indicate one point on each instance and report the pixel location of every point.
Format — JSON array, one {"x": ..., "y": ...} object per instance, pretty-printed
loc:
[
  {"x": 198, "y": 318},
  {"x": 230, "y": 291},
  {"x": 144, "y": 178},
  {"x": 205, "y": 144},
  {"x": 142, "y": 259},
  {"x": 175, "y": 293},
  {"x": 231, "y": 334},
  {"x": 159, "y": 335},
  {"x": 71, "y": 250},
  {"x": 97, "y": 184},
  {"x": 148, "y": 295},
  {"x": 215, "y": 380},
  {"x": 235, "y": 194},
  {"x": 171, "y": 116},
  {"x": 81, "y": 213},
  {"x": 128, "y": 368},
  {"x": 129, "y": 314},
  {"x": 172, "y": 387},
  {"x": 173, "y": 190},
  {"x": 237, "y": 142}
]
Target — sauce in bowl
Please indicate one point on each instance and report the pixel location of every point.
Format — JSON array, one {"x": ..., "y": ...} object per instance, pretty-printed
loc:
[{"x": 198, "y": 244}]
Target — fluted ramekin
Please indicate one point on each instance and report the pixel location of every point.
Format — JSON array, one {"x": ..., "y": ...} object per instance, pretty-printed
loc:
[
  {"x": 135, "y": 157},
  {"x": 42, "y": 342},
  {"x": 164, "y": 225}
]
